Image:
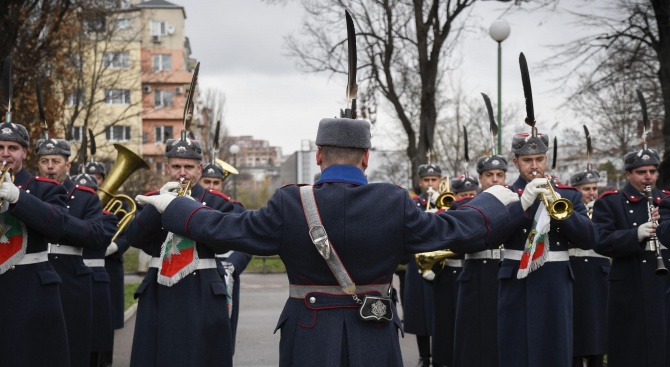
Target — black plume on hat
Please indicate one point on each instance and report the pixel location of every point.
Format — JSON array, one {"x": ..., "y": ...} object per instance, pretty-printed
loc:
[
  {"x": 213, "y": 171},
  {"x": 464, "y": 183},
  {"x": 487, "y": 163},
  {"x": 583, "y": 178},
  {"x": 53, "y": 147},
  {"x": 429, "y": 170}
]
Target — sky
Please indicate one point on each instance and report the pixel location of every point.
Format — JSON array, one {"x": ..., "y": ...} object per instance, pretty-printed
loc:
[{"x": 240, "y": 45}]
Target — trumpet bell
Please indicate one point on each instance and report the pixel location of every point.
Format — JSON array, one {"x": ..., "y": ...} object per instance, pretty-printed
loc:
[
  {"x": 559, "y": 209},
  {"x": 444, "y": 200}
]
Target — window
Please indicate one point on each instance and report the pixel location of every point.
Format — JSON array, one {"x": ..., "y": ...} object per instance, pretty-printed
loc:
[
  {"x": 116, "y": 60},
  {"x": 122, "y": 24},
  {"x": 117, "y": 133},
  {"x": 158, "y": 28},
  {"x": 163, "y": 133},
  {"x": 94, "y": 25},
  {"x": 77, "y": 97},
  {"x": 162, "y": 62},
  {"x": 163, "y": 98},
  {"x": 117, "y": 96},
  {"x": 76, "y": 133},
  {"x": 145, "y": 137}
]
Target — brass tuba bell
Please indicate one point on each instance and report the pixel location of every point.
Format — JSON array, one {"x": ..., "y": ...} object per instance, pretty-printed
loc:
[
  {"x": 426, "y": 260},
  {"x": 126, "y": 163}
]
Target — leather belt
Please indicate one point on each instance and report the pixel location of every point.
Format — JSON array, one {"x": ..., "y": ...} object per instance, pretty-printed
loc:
[
  {"x": 55, "y": 248},
  {"x": 202, "y": 263},
  {"x": 577, "y": 252},
  {"x": 648, "y": 247},
  {"x": 34, "y": 258},
  {"x": 454, "y": 263},
  {"x": 300, "y": 291},
  {"x": 94, "y": 263},
  {"x": 553, "y": 255},
  {"x": 486, "y": 254}
]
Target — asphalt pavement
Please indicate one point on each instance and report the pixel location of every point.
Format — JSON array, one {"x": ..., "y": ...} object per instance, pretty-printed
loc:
[{"x": 262, "y": 298}]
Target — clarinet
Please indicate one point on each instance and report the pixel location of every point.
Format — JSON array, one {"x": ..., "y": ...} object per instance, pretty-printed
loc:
[{"x": 654, "y": 245}]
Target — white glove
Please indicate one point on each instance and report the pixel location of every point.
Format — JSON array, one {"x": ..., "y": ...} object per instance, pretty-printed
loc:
[
  {"x": 589, "y": 206},
  {"x": 428, "y": 275},
  {"x": 504, "y": 195},
  {"x": 8, "y": 190},
  {"x": 160, "y": 202},
  {"x": 533, "y": 190},
  {"x": 170, "y": 188},
  {"x": 644, "y": 231},
  {"x": 112, "y": 248},
  {"x": 432, "y": 195}
]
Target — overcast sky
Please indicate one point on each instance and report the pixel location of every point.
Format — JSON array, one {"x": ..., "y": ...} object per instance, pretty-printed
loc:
[{"x": 240, "y": 46}]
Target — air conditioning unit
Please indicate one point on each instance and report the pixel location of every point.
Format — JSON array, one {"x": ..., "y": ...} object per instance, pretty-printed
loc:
[
  {"x": 157, "y": 39},
  {"x": 146, "y": 88},
  {"x": 170, "y": 29},
  {"x": 180, "y": 90}
]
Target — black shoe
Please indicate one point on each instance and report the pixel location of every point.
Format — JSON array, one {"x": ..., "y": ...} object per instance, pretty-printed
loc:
[
  {"x": 439, "y": 365},
  {"x": 424, "y": 362}
]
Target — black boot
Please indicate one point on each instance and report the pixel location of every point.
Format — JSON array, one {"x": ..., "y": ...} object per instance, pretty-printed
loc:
[{"x": 424, "y": 362}]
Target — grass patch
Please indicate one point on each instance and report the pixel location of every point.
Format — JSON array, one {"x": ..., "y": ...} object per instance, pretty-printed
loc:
[
  {"x": 129, "y": 292},
  {"x": 271, "y": 266},
  {"x": 130, "y": 260}
]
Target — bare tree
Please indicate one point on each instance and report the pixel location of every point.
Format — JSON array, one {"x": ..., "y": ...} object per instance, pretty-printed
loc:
[{"x": 638, "y": 33}]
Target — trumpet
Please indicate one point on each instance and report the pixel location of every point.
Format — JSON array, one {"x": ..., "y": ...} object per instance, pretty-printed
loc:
[
  {"x": 654, "y": 245},
  {"x": 559, "y": 209},
  {"x": 446, "y": 196},
  {"x": 185, "y": 190},
  {"x": 426, "y": 260},
  {"x": 3, "y": 170}
]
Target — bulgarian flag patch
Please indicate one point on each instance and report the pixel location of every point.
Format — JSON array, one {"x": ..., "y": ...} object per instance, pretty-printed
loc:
[
  {"x": 179, "y": 257},
  {"x": 13, "y": 241},
  {"x": 536, "y": 250}
]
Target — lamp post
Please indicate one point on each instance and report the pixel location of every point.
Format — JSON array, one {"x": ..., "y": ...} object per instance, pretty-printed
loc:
[
  {"x": 234, "y": 149},
  {"x": 499, "y": 31}
]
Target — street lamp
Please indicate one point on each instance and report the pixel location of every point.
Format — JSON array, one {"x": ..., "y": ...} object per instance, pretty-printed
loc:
[
  {"x": 234, "y": 149},
  {"x": 499, "y": 31}
]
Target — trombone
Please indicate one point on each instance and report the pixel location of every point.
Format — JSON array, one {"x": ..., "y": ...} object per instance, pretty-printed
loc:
[{"x": 446, "y": 196}]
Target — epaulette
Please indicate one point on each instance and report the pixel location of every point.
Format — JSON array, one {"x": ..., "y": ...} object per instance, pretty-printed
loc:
[
  {"x": 561, "y": 186},
  {"x": 666, "y": 192},
  {"x": 219, "y": 193},
  {"x": 151, "y": 193},
  {"x": 85, "y": 188},
  {"x": 44, "y": 179},
  {"x": 415, "y": 197},
  {"x": 608, "y": 193}
]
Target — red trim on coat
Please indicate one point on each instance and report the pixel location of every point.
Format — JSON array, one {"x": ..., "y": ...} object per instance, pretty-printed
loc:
[
  {"x": 85, "y": 188},
  {"x": 191, "y": 215},
  {"x": 607, "y": 193},
  {"x": 44, "y": 179},
  {"x": 488, "y": 229}
]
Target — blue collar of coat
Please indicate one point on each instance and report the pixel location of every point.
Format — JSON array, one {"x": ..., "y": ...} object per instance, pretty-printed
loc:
[{"x": 343, "y": 173}]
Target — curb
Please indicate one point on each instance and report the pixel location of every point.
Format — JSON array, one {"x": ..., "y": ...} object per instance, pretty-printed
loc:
[{"x": 130, "y": 312}]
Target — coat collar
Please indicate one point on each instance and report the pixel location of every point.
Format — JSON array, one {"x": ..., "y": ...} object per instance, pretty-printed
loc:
[{"x": 343, "y": 173}]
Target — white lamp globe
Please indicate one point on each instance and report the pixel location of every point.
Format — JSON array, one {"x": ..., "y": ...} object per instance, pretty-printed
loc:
[
  {"x": 234, "y": 149},
  {"x": 499, "y": 30}
]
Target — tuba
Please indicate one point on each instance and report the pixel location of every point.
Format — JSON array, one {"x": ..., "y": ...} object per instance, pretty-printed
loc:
[
  {"x": 446, "y": 196},
  {"x": 126, "y": 163},
  {"x": 426, "y": 260}
]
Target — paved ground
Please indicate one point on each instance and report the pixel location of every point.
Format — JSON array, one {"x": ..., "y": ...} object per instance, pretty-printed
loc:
[{"x": 262, "y": 298}]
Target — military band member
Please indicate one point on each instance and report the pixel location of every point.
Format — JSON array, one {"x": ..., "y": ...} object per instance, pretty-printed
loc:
[
  {"x": 636, "y": 306},
  {"x": 535, "y": 298},
  {"x": 476, "y": 329},
  {"x": 31, "y": 313},
  {"x": 445, "y": 285},
  {"x": 418, "y": 298},
  {"x": 590, "y": 270},
  {"x": 233, "y": 262},
  {"x": 183, "y": 282},
  {"x": 320, "y": 324},
  {"x": 85, "y": 230}
]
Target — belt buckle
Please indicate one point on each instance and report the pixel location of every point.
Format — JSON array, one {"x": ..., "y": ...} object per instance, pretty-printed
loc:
[{"x": 495, "y": 254}]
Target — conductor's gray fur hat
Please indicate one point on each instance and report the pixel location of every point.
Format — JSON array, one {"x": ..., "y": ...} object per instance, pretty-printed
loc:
[{"x": 343, "y": 132}]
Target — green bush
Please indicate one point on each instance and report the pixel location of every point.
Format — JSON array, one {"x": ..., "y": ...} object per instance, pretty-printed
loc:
[
  {"x": 130, "y": 260},
  {"x": 129, "y": 292},
  {"x": 271, "y": 266}
]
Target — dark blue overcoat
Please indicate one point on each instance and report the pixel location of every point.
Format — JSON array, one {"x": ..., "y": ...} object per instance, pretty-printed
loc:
[
  {"x": 114, "y": 267},
  {"x": 102, "y": 332},
  {"x": 240, "y": 260},
  {"x": 476, "y": 325},
  {"x": 636, "y": 313},
  {"x": 535, "y": 313},
  {"x": 84, "y": 230},
  {"x": 31, "y": 314},
  {"x": 185, "y": 324},
  {"x": 324, "y": 329}
]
